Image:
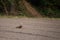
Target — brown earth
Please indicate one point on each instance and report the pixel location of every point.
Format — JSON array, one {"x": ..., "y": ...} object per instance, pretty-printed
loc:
[{"x": 32, "y": 29}]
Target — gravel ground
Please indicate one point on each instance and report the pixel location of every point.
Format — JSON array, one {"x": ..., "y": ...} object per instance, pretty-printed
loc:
[{"x": 32, "y": 29}]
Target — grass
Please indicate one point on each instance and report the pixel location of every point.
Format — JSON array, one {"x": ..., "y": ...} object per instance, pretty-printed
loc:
[{"x": 4, "y": 16}]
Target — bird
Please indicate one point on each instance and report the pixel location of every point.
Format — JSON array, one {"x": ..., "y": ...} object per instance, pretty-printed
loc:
[{"x": 19, "y": 26}]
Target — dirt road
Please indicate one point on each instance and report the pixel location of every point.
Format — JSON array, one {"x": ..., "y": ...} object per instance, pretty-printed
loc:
[{"x": 33, "y": 29}]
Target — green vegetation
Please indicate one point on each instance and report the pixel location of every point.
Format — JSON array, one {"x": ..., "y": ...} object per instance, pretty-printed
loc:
[
  {"x": 47, "y": 8},
  {"x": 12, "y": 7},
  {"x": 48, "y": 12}
]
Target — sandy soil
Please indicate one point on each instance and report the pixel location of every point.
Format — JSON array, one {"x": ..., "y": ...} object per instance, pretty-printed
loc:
[{"x": 32, "y": 29}]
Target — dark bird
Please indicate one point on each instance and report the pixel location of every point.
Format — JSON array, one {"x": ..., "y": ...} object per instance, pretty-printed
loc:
[{"x": 19, "y": 26}]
